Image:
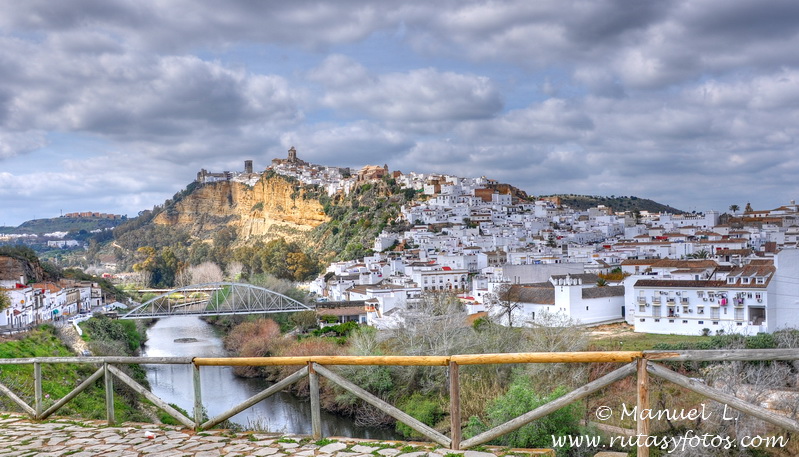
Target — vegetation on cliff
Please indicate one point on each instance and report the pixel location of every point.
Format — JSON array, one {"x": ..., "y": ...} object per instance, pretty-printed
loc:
[{"x": 356, "y": 219}]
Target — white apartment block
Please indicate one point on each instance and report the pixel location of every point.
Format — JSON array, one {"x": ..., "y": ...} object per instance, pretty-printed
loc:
[{"x": 760, "y": 296}]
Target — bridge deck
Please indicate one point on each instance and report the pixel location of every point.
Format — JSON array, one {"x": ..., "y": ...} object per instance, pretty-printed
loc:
[{"x": 61, "y": 437}]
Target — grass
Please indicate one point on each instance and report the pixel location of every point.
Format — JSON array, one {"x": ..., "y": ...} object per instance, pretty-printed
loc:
[
  {"x": 58, "y": 380},
  {"x": 631, "y": 341}
]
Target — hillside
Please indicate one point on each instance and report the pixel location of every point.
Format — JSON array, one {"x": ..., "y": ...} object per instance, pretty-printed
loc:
[
  {"x": 624, "y": 203},
  {"x": 62, "y": 224}
]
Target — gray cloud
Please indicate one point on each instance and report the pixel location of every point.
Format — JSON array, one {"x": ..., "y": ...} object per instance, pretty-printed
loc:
[
  {"x": 678, "y": 101},
  {"x": 416, "y": 96}
]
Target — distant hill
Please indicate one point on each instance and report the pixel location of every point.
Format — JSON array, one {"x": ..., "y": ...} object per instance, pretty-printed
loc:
[
  {"x": 62, "y": 224},
  {"x": 623, "y": 203}
]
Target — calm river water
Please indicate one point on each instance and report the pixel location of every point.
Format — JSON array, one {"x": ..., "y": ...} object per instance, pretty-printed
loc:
[{"x": 221, "y": 389}]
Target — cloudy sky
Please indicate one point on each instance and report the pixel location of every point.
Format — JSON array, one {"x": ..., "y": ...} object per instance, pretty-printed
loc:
[{"x": 114, "y": 106}]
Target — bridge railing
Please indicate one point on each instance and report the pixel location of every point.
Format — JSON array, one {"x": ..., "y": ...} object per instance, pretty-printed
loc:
[{"x": 641, "y": 364}]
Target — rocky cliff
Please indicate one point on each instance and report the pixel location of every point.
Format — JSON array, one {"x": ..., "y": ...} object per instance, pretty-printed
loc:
[
  {"x": 12, "y": 268},
  {"x": 272, "y": 207}
]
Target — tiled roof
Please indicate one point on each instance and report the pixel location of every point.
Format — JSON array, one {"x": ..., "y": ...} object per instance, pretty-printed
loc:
[
  {"x": 665, "y": 283},
  {"x": 535, "y": 295},
  {"x": 587, "y": 278},
  {"x": 603, "y": 292}
]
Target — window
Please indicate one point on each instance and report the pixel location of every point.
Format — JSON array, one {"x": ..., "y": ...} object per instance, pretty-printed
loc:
[
  {"x": 760, "y": 280},
  {"x": 657, "y": 320},
  {"x": 701, "y": 322},
  {"x": 731, "y": 280},
  {"x": 642, "y": 320},
  {"x": 586, "y": 308},
  {"x": 671, "y": 321},
  {"x": 684, "y": 322},
  {"x": 744, "y": 280},
  {"x": 715, "y": 322}
]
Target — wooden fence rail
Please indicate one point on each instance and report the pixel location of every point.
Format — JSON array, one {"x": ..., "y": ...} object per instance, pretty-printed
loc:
[{"x": 642, "y": 364}]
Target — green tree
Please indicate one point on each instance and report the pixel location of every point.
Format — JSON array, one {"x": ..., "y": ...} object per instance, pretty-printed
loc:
[
  {"x": 734, "y": 208},
  {"x": 5, "y": 302}
]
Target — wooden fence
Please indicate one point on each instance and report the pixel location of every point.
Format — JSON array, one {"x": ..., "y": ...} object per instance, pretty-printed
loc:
[{"x": 642, "y": 364}]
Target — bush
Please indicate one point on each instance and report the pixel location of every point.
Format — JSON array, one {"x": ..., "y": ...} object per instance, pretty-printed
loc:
[
  {"x": 521, "y": 398},
  {"x": 422, "y": 408}
]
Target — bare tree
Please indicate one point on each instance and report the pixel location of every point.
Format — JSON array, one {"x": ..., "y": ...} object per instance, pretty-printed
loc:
[
  {"x": 204, "y": 273},
  {"x": 504, "y": 301},
  {"x": 233, "y": 270}
]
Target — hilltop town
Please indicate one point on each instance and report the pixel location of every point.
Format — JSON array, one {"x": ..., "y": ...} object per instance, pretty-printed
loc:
[{"x": 523, "y": 259}]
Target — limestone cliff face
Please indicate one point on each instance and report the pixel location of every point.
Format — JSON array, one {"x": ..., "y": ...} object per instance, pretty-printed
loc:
[{"x": 271, "y": 207}]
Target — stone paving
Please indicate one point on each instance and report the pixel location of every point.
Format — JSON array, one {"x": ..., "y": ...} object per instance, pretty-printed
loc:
[{"x": 63, "y": 437}]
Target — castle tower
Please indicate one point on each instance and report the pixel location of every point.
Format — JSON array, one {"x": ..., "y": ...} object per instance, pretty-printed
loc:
[
  {"x": 248, "y": 166},
  {"x": 292, "y": 155}
]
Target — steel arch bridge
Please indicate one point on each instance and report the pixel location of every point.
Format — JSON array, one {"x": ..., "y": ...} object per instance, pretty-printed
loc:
[{"x": 216, "y": 298}]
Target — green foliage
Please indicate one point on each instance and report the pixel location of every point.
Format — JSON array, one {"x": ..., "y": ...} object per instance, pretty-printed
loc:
[
  {"x": 328, "y": 318},
  {"x": 258, "y": 207},
  {"x": 59, "y": 379},
  {"x": 103, "y": 328},
  {"x": 521, "y": 398},
  {"x": 303, "y": 320},
  {"x": 278, "y": 258},
  {"x": 425, "y": 409},
  {"x": 618, "y": 203},
  {"x": 5, "y": 302},
  {"x": 337, "y": 330}
]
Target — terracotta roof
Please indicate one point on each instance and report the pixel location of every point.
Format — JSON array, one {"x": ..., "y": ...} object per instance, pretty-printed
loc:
[
  {"x": 679, "y": 284},
  {"x": 670, "y": 263}
]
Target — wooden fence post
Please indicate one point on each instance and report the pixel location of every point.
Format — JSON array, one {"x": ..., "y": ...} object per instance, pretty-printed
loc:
[
  {"x": 454, "y": 406},
  {"x": 316, "y": 414},
  {"x": 642, "y": 420},
  {"x": 198, "y": 398},
  {"x": 37, "y": 387},
  {"x": 109, "y": 395}
]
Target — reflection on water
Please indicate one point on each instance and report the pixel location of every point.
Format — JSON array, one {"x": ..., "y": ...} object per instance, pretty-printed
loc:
[{"x": 221, "y": 389}]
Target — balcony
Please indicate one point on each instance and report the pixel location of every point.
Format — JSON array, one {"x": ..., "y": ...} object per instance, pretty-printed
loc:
[{"x": 642, "y": 300}]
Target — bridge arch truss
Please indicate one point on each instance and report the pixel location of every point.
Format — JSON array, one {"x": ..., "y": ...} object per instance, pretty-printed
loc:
[{"x": 218, "y": 298}]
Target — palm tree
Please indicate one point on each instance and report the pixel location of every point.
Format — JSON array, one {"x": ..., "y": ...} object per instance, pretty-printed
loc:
[
  {"x": 734, "y": 208},
  {"x": 701, "y": 254}
]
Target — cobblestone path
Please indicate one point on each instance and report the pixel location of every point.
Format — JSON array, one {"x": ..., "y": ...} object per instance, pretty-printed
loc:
[{"x": 63, "y": 437}]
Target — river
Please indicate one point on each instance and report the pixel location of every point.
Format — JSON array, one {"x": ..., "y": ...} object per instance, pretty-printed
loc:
[{"x": 221, "y": 389}]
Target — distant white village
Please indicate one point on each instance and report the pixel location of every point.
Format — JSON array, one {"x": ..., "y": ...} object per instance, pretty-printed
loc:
[{"x": 524, "y": 261}]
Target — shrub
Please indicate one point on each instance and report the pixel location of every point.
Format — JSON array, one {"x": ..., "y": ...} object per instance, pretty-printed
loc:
[
  {"x": 521, "y": 398},
  {"x": 422, "y": 408}
]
